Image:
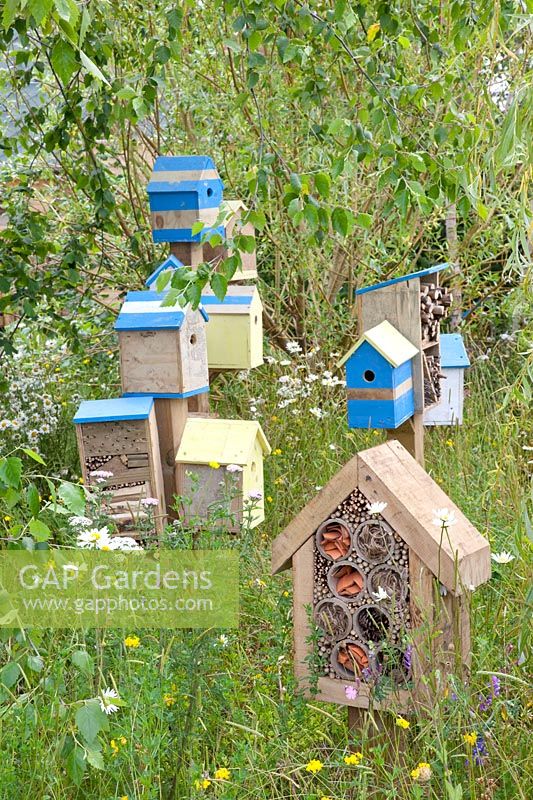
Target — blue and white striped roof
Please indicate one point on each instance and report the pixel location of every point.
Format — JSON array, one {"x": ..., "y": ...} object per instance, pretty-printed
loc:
[
  {"x": 183, "y": 174},
  {"x": 142, "y": 311},
  {"x": 114, "y": 410},
  {"x": 170, "y": 263}
]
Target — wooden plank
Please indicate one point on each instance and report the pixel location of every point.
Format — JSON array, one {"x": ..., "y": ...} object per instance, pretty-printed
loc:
[
  {"x": 302, "y": 580},
  {"x": 198, "y": 405},
  {"x": 149, "y": 361},
  {"x": 157, "y": 484},
  {"x": 331, "y": 690},
  {"x": 201, "y": 485},
  {"x": 421, "y": 605},
  {"x": 400, "y": 305},
  {"x": 380, "y": 394},
  {"x": 411, "y": 436},
  {"x": 171, "y": 416},
  {"x": 460, "y": 558},
  {"x": 318, "y": 509},
  {"x": 189, "y": 253},
  {"x": 192, "y": 353},
  {"x": 110, "y": 438}
]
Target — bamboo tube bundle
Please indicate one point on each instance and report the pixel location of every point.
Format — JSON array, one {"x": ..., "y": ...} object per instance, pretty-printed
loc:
[
  {"x": 349, "y": 658},
  {"x": 345, "y": 581},
  {"x": 333, "y": 539},
  {"x": 432, "y": 379}
]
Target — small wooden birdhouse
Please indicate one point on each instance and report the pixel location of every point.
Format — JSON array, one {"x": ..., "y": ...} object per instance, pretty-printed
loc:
[
  {"x": 235, "y": 328},
  {"x": 207, "y": 443},
  {"x": 184, "y": 190},
  {"x": 453, "y": 362},
  {"x": 119, "y": 450},
  {"x": 380, "y": 588},
  {"x": 379, "y": 378},
  {"x": 171, "y": 263},
  {"x": 162, "y": 348},
  {"x": 234, "y": 210}
]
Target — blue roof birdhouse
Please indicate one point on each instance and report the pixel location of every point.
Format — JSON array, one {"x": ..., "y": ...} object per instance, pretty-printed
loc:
[
  {"x": 379, "y": 379},
  {"x": 169, "y": 263},
  {"x": 184, "y": 190}
]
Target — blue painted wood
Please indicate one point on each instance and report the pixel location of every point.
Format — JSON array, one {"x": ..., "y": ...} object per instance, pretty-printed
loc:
[
  {"x": 171, "y": 163},
  {"x": 150, "y": 296},
  {"x": 116, "y": 409},
  {"x": 184, "y": 196},
  {"x": 453, "y": 352},
  {"x": 151, "y": 321},
  {"x": 241, "y": 300},
  {"x": 381, "y": 414},
  {"x": 171, "y": 395},
  {"x": 421, "y": 274},
  {"x": 367, "y": 358},
  {"x": 183, "y": 234},
  {"x": 170, "y": 263}
]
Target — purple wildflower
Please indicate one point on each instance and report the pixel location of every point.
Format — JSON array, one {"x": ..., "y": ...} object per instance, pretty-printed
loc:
[
  {"x": 352, "y": 692},
  {"x": 479, "y": 751},
  {"x": 484, "y": 703},
  {"x": 496, "y": 686},
  {"x": 407, "y": 657}
]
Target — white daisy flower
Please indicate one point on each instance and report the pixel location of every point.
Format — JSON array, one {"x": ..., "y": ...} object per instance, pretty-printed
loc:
[
  {"x": 444, "y": 517},
  {"x": 377, "y": 508},
  {"x": 293, "y": 347},
  {"x": 5, "y": 424},
  {"x": 95, "y": 539},
  {"x": 502, "y": 558},
  {"x": 124, "y": 543},
  {"x": 317, "y": 412},
  {"x": 106, "y": 698}
]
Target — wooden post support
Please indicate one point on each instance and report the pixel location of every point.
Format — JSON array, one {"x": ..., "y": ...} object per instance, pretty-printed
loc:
[
  {"x": 411, "y": 436},
  {"x": 171, "y": 416},
  {"x": 191, "y": 254}
]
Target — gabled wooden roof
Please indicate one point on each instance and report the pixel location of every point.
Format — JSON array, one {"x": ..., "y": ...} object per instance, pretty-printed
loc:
[
  {"x": 227, "y": 441},
  {"x": 460, "y": 558},
  {"x": 388, "y": 342}
]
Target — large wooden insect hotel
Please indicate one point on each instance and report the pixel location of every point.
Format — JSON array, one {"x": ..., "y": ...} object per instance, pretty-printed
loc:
[
  {"x": 119, "y": 450},
  {"x": 380, "y": 587}
]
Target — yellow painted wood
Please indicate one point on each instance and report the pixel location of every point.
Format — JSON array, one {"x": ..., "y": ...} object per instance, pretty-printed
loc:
[
  {"x": 235, "y": 333},
  {"x": 240, "y": 442},
  {"x": 388, "y": 341}
]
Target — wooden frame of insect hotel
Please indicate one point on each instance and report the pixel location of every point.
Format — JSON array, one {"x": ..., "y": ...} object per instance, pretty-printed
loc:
[{"x": 371, "y": 562}]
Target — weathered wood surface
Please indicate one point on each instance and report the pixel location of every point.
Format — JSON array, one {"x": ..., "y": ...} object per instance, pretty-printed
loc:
[
  {"x": 411, "y": 436},
  {"x": 171, "y": 415}
]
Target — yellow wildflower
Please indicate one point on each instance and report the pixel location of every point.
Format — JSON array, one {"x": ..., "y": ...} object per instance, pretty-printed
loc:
[
  {"x": 421, "y": 773},
  {"x": 314, "y": 766},
  {"x": 269, "y": 499},
  {"x": 285, "y": 593},
  {"x": 353, "y": 758},
  {"x": 132, "y": 641},
  {"x": 402, "y": 723},
  {"x": 274, "y": 418},
  {"x": 222, "y": 774},
  {"x": 80, "y": 480},
  {"x": 123, "y": 797},
  {"x": 214, "y": 465},
  {"x": 449, "y": 442},
  {"x": 7, "y": 518},
  {"x": 326, "y": 798},
  {"x": 123, "y": 740},
  {"x": 169, "y": 700},
  {"x": 202, "y": 783},
  {"x": 276, "y": 452},
  {"x": 86, "y": 361},
  {"x": 470, "y": 738},
  {"x": 415, "y": 773},
  {"x": 114, "y": 747}
]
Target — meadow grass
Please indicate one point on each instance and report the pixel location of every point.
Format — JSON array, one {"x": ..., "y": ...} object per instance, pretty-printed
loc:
[{"x": 198, "y": 701}]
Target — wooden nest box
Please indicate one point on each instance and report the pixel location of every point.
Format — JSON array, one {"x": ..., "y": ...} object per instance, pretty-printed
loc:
[
  {"x": 120, "y": 437},
  {"x": 453, "y": 362},
  {"x": 182, "y": 191},
  {"x": 235, "y": 328},
  {"x": 381, "y": 596},
  {"x": 208, "y": 442},
  {"x": 415, "y": 305},
  {"x": 379, "y": 379},
  {"x": 162, "y": 348}
]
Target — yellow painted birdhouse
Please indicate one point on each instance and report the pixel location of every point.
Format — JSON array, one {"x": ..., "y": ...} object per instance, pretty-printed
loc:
[
  {"x": 235, "y": 328},
  {"x": 219, "y": 467}
]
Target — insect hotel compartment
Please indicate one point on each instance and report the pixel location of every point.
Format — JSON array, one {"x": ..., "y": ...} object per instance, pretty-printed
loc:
[
  {"x": 118, "y": 438},
  {"x": 361, "y": 594}
]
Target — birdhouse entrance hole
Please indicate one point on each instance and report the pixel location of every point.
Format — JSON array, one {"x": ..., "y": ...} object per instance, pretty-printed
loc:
[
  {"x": 369, "y": 375},
  {"x": 192, "y": 340}
]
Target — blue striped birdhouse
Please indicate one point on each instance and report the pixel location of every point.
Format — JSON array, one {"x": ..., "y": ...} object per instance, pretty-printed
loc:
[
  {"x": 379, "y": 379},
  {"x": 184, "y": 190}
]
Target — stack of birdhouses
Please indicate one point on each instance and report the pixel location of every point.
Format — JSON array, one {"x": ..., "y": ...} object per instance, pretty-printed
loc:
[
  {"x": 149, "y": 444},
  {"x": 183, "y": 187}
]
